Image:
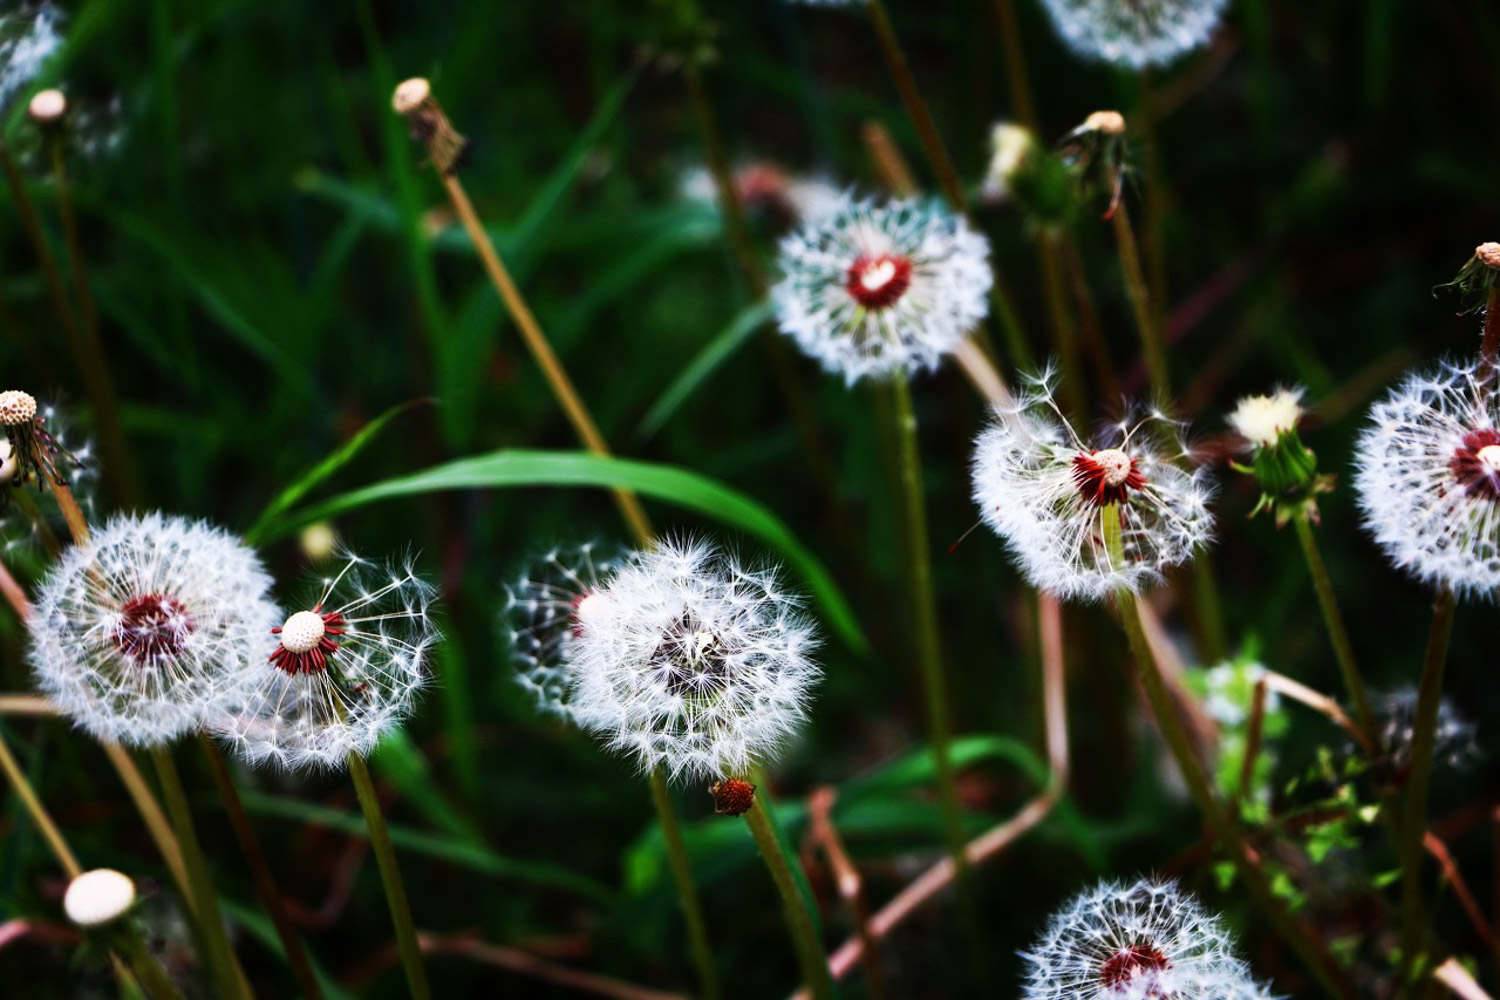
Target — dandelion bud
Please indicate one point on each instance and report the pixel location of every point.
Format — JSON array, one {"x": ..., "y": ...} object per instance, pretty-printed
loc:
[
  {"x": 1285, "y": 468},
  {"x": 428, "y": 123},
  {"x": 318, "y": 542},
  {"x": 98, "y": 897},
  {"x": 1010, "y": 145},
  {"x": 47, "y": 107},
  {"x": 732, "y": 796},
  {"x": 1136, "y": 34},
  {"x": 1105, "y": 123}
]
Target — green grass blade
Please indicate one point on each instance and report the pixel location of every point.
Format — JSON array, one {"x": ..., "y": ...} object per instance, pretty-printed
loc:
[
  {"x": 403, "y": 764},
  {"x": 260, "y": 927},
  {"x": 705, "y": 363}
]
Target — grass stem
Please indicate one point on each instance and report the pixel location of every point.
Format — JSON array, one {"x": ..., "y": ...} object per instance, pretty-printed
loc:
[
  {"x": 1333, "y": 619},
  {"x": 799, "y": 922},
  {"x": 38, "y": 812},
  {"x": 1140, "y": 303},
  {"x": 687, "y": 893}
]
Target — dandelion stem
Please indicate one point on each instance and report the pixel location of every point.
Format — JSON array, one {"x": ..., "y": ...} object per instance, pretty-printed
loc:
[
  {"x": 38, "y": 812},
  {"x": 1064, "y": 333},
  {"x": 1333, "y": 619},
  {"x": 390, "y": 877},
  {"x": 799, "y": 922},
  {"x": 1140, "y": 303},
  {"x": 687, "y": 892},
  {"x": 1489, "y": 348},
  {"x": 1424, "y": 733},
  {"x": 1015, "y": 64},
  {"x": 723, "y": 176},
  {"x": 210, "y": 923}
]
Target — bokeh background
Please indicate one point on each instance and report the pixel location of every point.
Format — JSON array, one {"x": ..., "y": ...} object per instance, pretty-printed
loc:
[{"x": 274, "y": 266}]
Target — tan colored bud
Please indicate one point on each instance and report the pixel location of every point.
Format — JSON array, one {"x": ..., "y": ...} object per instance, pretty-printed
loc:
[
  {"x": 1488, "y": 254},
  {"x": 1105, "y": 123}
]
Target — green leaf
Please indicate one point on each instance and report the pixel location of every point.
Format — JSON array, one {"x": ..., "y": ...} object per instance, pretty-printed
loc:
[
  {"x": 341, "y": 457},
  {"x": 919, "y": 768},
  {"x": 565, "y": 468},
  {"x": 705, "y": 363},
  {"x": 260, "y": 927}
]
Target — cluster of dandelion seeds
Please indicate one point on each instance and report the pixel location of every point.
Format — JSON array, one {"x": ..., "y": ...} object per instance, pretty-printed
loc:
[
  {"x": 141, "y": 633},
  {"x": 1427, "y": 471},
  {"x": 1135, "y": 33},
  {"x": 689, "y": 661},
  {"x": 1146, "y": 941},
  {"x": 338, "y": 674},
  {"x": 873, "y": 290},
  {"x": 1045, "y": 491}
]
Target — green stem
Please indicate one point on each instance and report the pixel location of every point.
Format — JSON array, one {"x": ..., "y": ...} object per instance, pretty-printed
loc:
[
  {"x": 687, "y": 891},
  {"x": 390, "y": 877},
  {"x": 1064, "y": 332},
  {"x": 1209, "y": 612},
  {"x": 210, "y": 922},
  {"x": 153, "y": 979},
  {"x": 1424, "y": 738},
  {"x": 798, "y": 921},
  {"x": 1338, "y": 635},
  {"x": 1140, "y": 304}
]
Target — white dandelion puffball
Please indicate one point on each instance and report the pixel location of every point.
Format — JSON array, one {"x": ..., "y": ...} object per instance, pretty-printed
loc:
[
  {"x": 1135, "y": 33},
  {"x": 98, "y": 897},
  {"x": 1045, "y": 492},
  {"x": 687, "y": 661},
  {"x": 141, "y": 632},
  {"x": 29, "y": 35},
  {"x": 1147, "y": 941},
  {"x": 1427, "y": 471},
  {"x": 1262, "y": 420},
  {"x": 882, "y": 289},
  {"x": 542, "y": 619},
  {"x": 334, "y": 677}
]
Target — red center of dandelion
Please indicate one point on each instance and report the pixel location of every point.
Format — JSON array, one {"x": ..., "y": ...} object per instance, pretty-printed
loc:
[
  {"x": 152, "y": 626},
  {"x": 1106, "y": 476},
  {"x": 308, "y": 640},
  {"x": 1476, "y": 463},
  {"x": 1123, "y": 966},
  {"x": 877, "y": 282}
]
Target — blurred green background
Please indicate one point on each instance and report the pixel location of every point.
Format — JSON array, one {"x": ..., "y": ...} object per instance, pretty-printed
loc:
[{"x": 275, "y": 265}]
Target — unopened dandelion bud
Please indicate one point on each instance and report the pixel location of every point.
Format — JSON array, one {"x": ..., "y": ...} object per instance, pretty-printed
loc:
[
  {"x": 732, "y": 796},
  {"x": 99, "y": 897},
  {"x": 48, "y": 107},
  {"x": 1285, "y": 468},
  {"x": 1105, "y": 123},
  {"x": 428, "y": 123}
]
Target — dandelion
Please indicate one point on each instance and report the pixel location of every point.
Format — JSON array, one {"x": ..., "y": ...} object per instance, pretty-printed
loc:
[
  {"x": 1147, "y": 940},
  {"x": 1010, "y": 146},
  {"x": 688, "y": 661},
  {"x": 98, "y": 897},
  {"x": 1262, "y": 420},
  {"x": 143, "y": 630},
  {"x": 332, "y": 678},
  {"x": 1427, "y": 470},
  {"x": 542, "y": 619},
  {"x": 882, "y": 289},
  {"x": 769, "y": 192},
  {"x": 29, "y": 35},
  {"x": 1045, "y": 492},
  {"x": 44, "y": 449},
  {"x": 1137, "y": 33}
]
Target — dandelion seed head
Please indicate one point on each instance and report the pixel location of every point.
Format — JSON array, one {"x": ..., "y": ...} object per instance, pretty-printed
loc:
[
  {"x": 1428, "y": 479},
  {"x": 1043, "y": 490},
  {"x": 691, "y": 662},
  {"x": 98, "y": 897},
  {"x": 29, "y": 35},
  {"x": 1262, "y": 420},
  {"x": 1146, "y": 941},
  {"x": 874, "y": 290},
  {"x": 143, "y": 631},
  {"x": 1137, "y": 33}
]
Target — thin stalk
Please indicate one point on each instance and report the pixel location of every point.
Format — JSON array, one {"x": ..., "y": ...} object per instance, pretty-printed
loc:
[
  {"x": 38, "y": 812},
  {"x": 210, "y": 923},
  {"x": 1333, "y": 619},
  {"x": 798, "y": 921},
  {"x": 723, "y": 176},
  {"x": 1015, "y": 65},
  {"x": 687, "y": 893},
  {"x": 1209, "y": 611},
  {"x": 148, "y": 971},
  {"x": 1424, "y": 733},
  {"x": 1140, "y": 303},
  {"x": 157, "y": 824},
  {"x": 260, "y": 871},
  {"x": 1064, "y": 332},
  {"x": 390, "y": 877},
  {"x": 1156, "y": 200}
]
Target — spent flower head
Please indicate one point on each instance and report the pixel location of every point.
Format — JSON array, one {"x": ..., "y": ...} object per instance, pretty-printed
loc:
[
  {"x": 882, "y": 289},
  {"x": 142, "y": 632},
  {"x": 1427, "y": 471},
  {"x": 46, "y": 449},
  {"x": 689, "y": 661},
  {"x": 1479, "y": 276},
  {"x": 1146, "y": 941},
  {"x": 337, "y": 674},
  {"x": 1047, "y": 493},
  {"x": 1285, "y": 468},
  {"x": 1135, "y": 33}
]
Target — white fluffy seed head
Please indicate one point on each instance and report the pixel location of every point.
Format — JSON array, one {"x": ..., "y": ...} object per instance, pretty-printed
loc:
[
  {"x": 98, "y": 897},
  {"x": 879, "y": 290},
  {"x": 693, "y": 663},
  {"x": 141, "y": 633},
  {"x": 1134, "y": 942},
  {"x": 1042, "y": 489},
  {"x": 17, "y": 408},
  {"x": 1429, "y": 489},
  {"x": 318, "y": 692},
  {"x": 29, "y": 34},
  {"x": 1138, "y": 33},
  {"x": 1262, "y": 420}
]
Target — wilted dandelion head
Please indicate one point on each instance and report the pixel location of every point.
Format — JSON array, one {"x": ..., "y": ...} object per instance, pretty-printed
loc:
[
  {"x": 1454, "y": 744},
  {"x": 1262, "y": 420},
  {"x": 1427, "y": 470},
  {"x": 45, "y": 448},
  {"x": 882, "y": 289},
  {"x": 1147, "y": 941},
  {"x": 335, "y": 675},
  {"x": 540, "y": 619},
  {"x": 140, "y": 633},
  {"x": 1135, "y": 33},
  {"x": 1045, "y": 491},
  {"x": 768, "y": 192},
  {"x": 29, "y": 34},
  {"x": 688, "y": 661}
]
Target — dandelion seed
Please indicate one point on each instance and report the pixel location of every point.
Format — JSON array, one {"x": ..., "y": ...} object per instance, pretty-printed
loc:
[
  {"x": 1427, "y": 471},
  {"x": 876, "y": 290},
  {"x": 1043, "y": 490},
  {"x": 688, "y": 661},
  {"x": 141, "y": 632},
  {"x": 1137, "y": 33},
  {"x": 335, "y": 676},
  {"x": 1147, "y": 941}
]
